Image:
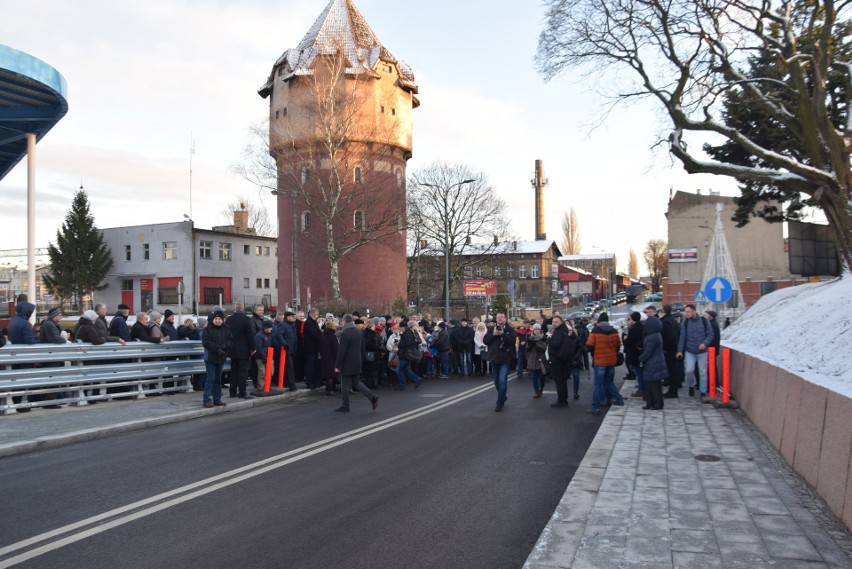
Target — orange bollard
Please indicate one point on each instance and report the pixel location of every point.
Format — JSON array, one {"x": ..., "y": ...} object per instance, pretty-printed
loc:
[
  {"x": 282, "y": 361},
  {"x": 711, "y": 372},
  {"x": 726, "y": 375},
  {"x": 270, "y": 359}
]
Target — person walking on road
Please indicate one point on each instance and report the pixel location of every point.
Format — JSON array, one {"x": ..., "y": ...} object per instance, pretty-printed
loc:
[
  {"x": 652, "y": 363},
  {"x": 500, "y": 340},
  {"x": 350, "y": 357},
  {"x": 696, "y": 335}
]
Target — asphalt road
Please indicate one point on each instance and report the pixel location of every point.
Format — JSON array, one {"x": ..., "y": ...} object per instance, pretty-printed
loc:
[{"x": 433, "y": 478}]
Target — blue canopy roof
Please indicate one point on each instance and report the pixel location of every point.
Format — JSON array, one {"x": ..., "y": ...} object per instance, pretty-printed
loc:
[{"x": 32, "y": 100}]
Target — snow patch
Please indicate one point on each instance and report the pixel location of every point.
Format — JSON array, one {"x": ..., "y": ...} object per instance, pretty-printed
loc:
[{"x": 805, "y": 329}]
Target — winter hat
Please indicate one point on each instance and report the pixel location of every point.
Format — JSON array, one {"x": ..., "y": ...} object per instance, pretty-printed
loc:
[
  {"x": 123, "y": 307},
  {"x": 267, "y": 324},
  {"x": 442, "y": 325},
  {"x": 167, "y": 313},
  {"x": 603, "y": 317},
  {"x": 53, "y": 312},
  {"x": 536, "y": 326},
  {"x": 217, "y": 314},
  {"x": 635, "y": 316},
  {"x": 288, "y": 313},
  {"x": 711, "y": 313},
  {"x": 154, "y": 315},
  {"x": 90, "y": 315}
]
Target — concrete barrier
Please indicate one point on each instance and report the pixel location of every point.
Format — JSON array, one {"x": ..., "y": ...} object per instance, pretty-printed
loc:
[{"x": 808, "y": 424}]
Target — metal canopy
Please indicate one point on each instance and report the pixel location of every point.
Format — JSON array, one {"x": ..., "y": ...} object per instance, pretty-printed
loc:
[{"x": 32, "y": 100}]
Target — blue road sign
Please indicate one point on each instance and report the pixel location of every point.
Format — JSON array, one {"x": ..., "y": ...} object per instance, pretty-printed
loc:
[
  {"x": 718, "y": 290},
  {"x": 700, "y": 297}
]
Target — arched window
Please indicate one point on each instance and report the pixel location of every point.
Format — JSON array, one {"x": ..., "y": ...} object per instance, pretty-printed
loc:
[
  {"x": 358, "y": 220},
  {"x": 358, "y": 177},
  {"x": 306, "y": 221}
]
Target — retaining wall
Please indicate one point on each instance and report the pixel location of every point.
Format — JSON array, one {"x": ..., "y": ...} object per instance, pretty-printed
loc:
[{"x": 810, "y": 425}]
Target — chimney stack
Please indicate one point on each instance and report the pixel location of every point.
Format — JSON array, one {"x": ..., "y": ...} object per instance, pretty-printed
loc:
[
  {"x": 539, "y": 182},
  {"x": 241, "y": 220}
]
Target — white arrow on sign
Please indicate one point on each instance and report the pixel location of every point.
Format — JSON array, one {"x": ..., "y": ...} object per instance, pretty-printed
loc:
[{"x": 718, "y": 287}]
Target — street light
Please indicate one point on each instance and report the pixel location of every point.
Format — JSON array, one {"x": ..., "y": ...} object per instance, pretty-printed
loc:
[{"x": 447, "y": 242}]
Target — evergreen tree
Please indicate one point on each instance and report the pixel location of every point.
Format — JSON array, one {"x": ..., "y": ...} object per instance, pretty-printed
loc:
[{"x": 80, "y": 260}]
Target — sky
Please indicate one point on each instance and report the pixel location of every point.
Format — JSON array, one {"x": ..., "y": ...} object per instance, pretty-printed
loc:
[{"x": 146, "y": 79}]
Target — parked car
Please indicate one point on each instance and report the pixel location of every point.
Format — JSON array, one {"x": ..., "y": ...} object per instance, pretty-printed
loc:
[
  {"x": 593, "y": 306},
  {"x": 678, "y": 307},
  {"x": 656, "y": 297}
]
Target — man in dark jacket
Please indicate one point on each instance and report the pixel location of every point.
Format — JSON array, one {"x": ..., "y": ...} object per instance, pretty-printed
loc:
[
  {"x": 350, "y": 355},
  {"x": 632, "y": 350},
  {"x": 118, "y": 326},
  {"x": 242, "y": 347},
  {"x": 50, "y": 332},
  {"x": 168, "y": 325},
  {"x": 102, "y": 327},
  {"x": 671, "y": 334},
  {"x": 312, "y": 340},
  {"x": 85, "y": 330},
  {"x": 217, "y": 344},
  {"x": 284, "y": 338},
  {"x": 464, "y": 342},
  {"x": 408, "y": 342},
  {"x": 500, "y": 340},
  {"x": 20, "y": 330},
  {"x": 561, "y": 350},
  {"x": 442, "y": 344}
]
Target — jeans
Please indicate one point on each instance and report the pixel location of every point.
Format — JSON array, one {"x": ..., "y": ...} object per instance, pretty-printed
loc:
[
  {"x": 500, "y": 374},
  {"x": 466, "y": 363},
  {"x": 640, "y": 382},
  {"x": 690, "y": 361},
  {"x": 522, "y": 361},
  {"x": 213, "y": 383},
  {"x": 403, "y": 371},
  {"x": 445, "y": 362},
  {"x": 605, "y": 386},
  {"x": 575, "y": 375},
  {"x": 537, "y": 380}
]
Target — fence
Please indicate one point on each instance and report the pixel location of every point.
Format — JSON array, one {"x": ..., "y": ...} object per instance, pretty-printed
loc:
[{"x": 79, "y": 373}]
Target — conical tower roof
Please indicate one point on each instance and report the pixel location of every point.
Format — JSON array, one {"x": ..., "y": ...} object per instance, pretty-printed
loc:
[{"x": 340, "y": 28}]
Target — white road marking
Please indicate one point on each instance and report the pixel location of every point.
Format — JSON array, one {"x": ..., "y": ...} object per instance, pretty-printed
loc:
[{"x": 125, "y": 514}]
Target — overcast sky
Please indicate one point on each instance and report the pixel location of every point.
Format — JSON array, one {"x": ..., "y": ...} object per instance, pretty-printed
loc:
[{"x": 145, "y": 78}]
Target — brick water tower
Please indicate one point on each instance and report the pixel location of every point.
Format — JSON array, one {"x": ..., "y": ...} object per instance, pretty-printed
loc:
[{"x": 340, "y": 131}]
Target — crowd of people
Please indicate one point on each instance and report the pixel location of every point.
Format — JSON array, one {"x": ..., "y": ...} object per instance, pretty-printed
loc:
[{"x": 396, "y": 352}]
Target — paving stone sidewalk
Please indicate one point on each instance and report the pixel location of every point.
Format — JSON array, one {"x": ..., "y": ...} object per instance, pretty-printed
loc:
[{"x": 645, "y": 497}]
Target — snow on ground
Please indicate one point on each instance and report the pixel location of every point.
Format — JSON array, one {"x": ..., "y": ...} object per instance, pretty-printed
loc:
[{"x": 806, "y": 329}]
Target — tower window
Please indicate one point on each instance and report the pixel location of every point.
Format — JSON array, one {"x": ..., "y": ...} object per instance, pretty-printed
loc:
[
  {"x": 393, "y": 112},
  {"x": 357, "y": 175},
  {"x": 306, "y": 221},
  {"x": 358, "y": 220},
  {"x": 305, "y": 171}
]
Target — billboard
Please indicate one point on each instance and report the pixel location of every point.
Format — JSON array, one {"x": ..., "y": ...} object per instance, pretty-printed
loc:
[
  {"x": 688, "y": 255},
  {"x": 479, "y": 287}
]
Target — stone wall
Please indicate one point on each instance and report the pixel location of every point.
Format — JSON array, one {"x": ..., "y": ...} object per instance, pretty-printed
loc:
[{"x": 809, "y": 424}]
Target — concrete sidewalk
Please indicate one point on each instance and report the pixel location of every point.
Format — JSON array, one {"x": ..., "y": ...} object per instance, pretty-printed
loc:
[
  {"x": 46, "y": 428},
  {"x": 688, "y": 487}
]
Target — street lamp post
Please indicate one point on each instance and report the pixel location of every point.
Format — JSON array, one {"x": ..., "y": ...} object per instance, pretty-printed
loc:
[{"x": 447, "y": 242}]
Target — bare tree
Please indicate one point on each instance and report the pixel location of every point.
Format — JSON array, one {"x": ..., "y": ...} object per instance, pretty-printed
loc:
[
  {"x": 335, "y": 164},
  {"x": 258, "y": 216},
  {"x": 446, "y": 212},
  {"x": 570, "y": 233},
  {"x": 633, "y": 265},
  {"x": 692, "y": 55},
  {"x": 656, "y": 256},
  {"x": 257, "y": 165}
]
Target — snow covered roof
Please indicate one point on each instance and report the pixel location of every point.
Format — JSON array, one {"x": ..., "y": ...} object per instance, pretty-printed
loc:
[
  {"x": 340, "y": 28},
  {"x": 502, "y": 248},
  {"x": 587, "y": 257}
]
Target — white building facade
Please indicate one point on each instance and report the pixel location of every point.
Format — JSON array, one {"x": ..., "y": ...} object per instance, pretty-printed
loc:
[{"x": 188, "y": 270}]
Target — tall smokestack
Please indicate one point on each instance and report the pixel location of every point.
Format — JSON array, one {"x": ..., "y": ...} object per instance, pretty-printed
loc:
[{"x": 539, "y": 182}]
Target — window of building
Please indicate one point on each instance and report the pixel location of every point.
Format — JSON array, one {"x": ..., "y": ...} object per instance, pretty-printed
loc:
[
  {"x": 127, "y": 252},
  {"x": 167, "y": 295},
  {"x": 399, "y": 180},
  {"x": 468, "y": 272},
  {"x": 480, "y": 272},
  {"x": 205, "y": 249},
  {"x": 276, "y": 283},
  {"x": 265, "y": 283},
  {"x": 170, "y": 250},
  {"x": 266, "y": 251},
  {"x": 382, "y": 109},
  {"x": 522, "y": 272},
  {"x": 213, "y": 294},
  {"x": 306, "y": 221},
  {"x": 393, "y": 112},
  {"x": 358, "y": 220},
  {"x": 497, "y": 272},
  {"x": 246, "y": 282},
  {"x": 224, "y": 251},
  {"x": 510, "y": 271},
  {"x": 246, "y": 249},
  {"x": 305, "y": 172},
  {"x": 259, "y": 283},
  {"x": 146, "y": 251},
  {"x": 258, "y": 250},
  {"x": 126, "y": 284},
  {"x": 534, "y": 272},
  {"x": 357, "y": 175}
]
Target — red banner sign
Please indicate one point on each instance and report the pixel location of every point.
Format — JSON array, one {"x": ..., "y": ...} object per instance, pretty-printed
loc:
[{"x": 479, "y": 287}]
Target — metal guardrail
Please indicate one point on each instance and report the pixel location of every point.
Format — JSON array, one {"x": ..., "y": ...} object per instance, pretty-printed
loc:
[{"x": 79, "y": 373}]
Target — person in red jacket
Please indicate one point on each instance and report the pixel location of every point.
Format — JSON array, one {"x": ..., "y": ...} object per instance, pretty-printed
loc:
[{"x": 604, "y": 343}]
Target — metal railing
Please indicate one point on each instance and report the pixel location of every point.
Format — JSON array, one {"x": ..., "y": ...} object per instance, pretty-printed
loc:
[{"x": 47, "y": 374}]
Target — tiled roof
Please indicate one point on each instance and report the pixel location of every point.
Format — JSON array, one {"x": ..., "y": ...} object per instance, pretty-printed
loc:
[{"x": 340, "y": 28}]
